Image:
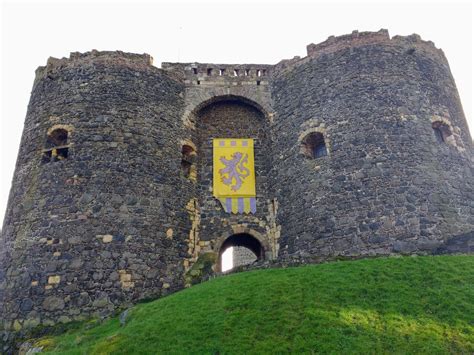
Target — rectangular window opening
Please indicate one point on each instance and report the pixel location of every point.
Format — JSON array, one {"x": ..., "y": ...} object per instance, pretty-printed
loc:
[
  {"x": 55, "y": 154},
  {"x": 195, "y": 71},
  {"x": 209, "y": 71},
  {"x": 63, "y": 153},
  {"x": 236, "y": 72}
]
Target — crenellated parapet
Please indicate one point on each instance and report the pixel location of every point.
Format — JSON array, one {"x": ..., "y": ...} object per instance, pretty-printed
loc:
[
  {"x": 94, "y": 57},
  {"x": 357, "y": 39},
  {"x": 220, "y": 74}
]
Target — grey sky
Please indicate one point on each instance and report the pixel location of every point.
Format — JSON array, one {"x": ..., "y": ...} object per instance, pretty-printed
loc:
[{"x": 221, "y": 32}]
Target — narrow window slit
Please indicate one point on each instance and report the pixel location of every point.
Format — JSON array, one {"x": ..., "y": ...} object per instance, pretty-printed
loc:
[
  {"x": 188, "y": 155},
  {"x": 441, "y": 131}
]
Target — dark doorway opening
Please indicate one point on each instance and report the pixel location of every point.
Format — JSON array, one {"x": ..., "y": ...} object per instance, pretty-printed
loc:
[{"x": 238, "y": 250}]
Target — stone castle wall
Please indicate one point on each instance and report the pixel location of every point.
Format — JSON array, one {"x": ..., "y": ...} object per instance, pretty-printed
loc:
[
  {"x": 387, "y": 185},
  {"x": 129, "y": 212}
]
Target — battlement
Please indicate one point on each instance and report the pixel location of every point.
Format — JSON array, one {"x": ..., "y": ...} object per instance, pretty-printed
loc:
[
  {"x": 202, "y": 73},
  {"x": 356, "y": 38},
  {"x": 359, "y": 39},
  {"x": 109, "y": 58},
  {"x": 414, "y": 43}
]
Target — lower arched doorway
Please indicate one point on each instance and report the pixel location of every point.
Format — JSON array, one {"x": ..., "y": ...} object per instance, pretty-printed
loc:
[{"x": 238, "y": 250}]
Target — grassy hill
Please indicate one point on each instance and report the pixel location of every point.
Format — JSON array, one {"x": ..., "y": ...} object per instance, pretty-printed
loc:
[{"x": 387, "y": 305}]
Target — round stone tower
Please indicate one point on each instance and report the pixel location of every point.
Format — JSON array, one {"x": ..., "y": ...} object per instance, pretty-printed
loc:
[
  {"x": 95, "y": 213},
  {"x": 374, "y": 154}
]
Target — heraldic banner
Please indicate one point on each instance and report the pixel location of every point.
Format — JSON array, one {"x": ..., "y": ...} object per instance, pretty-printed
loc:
[{"x": 234, "y": 174}]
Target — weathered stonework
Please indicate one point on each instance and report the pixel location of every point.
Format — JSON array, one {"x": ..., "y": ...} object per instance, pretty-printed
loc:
[
  {"x": 386, "y": 185},
  {"x": 112, "y": 196},
  {"x": 242, "y": 256}
]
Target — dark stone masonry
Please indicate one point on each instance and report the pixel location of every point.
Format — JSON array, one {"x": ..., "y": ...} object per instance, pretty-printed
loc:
[{"x": 361, "y": 149}]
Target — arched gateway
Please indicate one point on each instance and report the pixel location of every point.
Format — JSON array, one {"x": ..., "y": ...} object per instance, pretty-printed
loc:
[
  {"x": 239, "y": 250},
  {"x": 231, "y": 117}
]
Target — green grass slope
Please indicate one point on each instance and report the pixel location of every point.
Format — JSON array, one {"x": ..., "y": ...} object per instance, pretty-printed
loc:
[{"x": 389, "y": 305}]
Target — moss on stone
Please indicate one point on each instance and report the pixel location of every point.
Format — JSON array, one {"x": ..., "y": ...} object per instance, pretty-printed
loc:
[{"x": 202, "y": 269}]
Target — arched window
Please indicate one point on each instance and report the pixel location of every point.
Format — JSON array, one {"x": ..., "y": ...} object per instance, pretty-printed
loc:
[
  {"x": 188, "y": 157},
  {"x": 441, "y": 131},
  {"x": 57, "y": 145},
  {"x": 314, "y": 146}
]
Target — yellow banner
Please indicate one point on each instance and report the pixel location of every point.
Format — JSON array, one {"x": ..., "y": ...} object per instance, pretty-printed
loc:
[{"x": 234, "y": 172}]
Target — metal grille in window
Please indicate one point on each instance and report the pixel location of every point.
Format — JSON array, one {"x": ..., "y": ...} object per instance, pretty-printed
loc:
[{"x": 57, "y": 147}]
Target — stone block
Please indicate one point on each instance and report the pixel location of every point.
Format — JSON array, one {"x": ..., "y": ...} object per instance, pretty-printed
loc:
[
  {"x": 107, "y": 238},
  {"x": 54, "y": 280},
  {"x": 53, "y": 303}
]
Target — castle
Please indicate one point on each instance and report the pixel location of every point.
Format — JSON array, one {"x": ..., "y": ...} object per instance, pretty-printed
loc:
[{"x": 361, "y": 149}]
